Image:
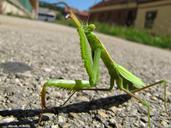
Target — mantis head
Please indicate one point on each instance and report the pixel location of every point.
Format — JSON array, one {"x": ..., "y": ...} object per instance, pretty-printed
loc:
[{"x": 89, "y": 28}]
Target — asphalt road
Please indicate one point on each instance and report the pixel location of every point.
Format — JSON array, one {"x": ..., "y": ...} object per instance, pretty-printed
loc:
[{"x": 32, "y": 52}]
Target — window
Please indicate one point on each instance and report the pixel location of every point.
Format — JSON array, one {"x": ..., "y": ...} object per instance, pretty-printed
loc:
[{"x": 150, "y": 19}]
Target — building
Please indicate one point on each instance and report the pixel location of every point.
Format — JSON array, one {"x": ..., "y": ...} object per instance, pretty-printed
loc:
[
  {"x": 46, "y": 14},
  {"x": 154, "y": 15},
  {"x": 119, "y": 12},
  {"x": 144, "y": 14},
  {"x": 25, "y": 8}
]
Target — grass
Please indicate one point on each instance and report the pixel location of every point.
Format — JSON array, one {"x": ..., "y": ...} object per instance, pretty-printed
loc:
[
  {"x": 133, "y": 34},
  {"x": 129, "y": 33}
]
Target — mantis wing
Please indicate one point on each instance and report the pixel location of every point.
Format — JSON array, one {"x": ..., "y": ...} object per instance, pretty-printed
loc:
[{"x": 137, "y": 82}]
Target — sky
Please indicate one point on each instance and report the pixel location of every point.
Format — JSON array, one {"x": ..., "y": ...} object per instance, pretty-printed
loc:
[{"x": 79, "y": 4}]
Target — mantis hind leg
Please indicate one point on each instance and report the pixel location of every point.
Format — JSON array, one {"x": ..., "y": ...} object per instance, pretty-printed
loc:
[
  {"x": 144, "y": 102},
  {"x": 163, "y": 82}
]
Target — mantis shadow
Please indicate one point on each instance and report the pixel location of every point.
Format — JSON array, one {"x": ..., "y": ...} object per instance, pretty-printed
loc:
[{"x": 85, "y": 106}]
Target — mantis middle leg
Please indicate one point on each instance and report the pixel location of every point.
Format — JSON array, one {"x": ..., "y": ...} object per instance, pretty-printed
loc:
[
  {"x": 143, "y": 102},
  {"x": 94, "y": 89}
]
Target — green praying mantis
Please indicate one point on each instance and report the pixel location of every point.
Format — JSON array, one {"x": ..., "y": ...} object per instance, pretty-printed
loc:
[{"x": 92, "y": 50}]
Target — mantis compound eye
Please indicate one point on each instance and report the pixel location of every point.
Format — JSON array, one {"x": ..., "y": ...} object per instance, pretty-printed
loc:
[
  {"x": 67, "y": 16},
  {"x": 91, "y": 27}
]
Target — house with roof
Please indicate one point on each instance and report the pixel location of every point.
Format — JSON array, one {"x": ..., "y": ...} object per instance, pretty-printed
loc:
[{"x": 144, "y": 14}]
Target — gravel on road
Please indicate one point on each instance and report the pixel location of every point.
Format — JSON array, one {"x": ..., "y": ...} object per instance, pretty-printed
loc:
[{"x": 32, "y": 52}]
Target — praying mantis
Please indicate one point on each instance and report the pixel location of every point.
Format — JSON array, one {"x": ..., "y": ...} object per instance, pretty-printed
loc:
[{"x": 92, "y": 50}]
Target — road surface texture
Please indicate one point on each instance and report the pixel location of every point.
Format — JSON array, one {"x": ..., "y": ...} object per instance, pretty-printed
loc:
[{"x": 32, "y": 52}]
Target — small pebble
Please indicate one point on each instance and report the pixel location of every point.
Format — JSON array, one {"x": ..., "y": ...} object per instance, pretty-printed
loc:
[
  {"x": 7, "y": 119},
  {"x": 164, "y": 124},
  {"x": 102, "y": 114}
]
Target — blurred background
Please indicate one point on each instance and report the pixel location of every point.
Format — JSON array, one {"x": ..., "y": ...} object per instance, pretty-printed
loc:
[
  {"x": 143, "y": 21},
  {"x": 37, "y": 43}
]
